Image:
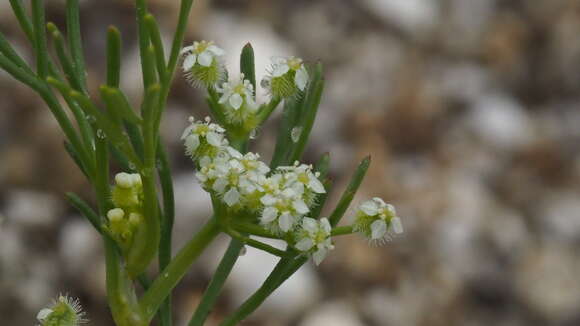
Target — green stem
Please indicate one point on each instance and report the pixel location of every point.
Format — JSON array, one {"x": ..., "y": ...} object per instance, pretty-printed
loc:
[
  {"x": 120, "y": 293},
  {"x": 114, "y": 45},
  {"x": 73, "y": 29},
  {"x": 342, "y": 230},
  {"x": 166, "y": 224},
  {"x": 22, "y": 18},
  {"x": 170, "y": 276},
  {"x": 85, "y": 210},
  {"x": 253, "y": 229},
  {"x": 184, "y": 11},
  {"x": 146, "y": 240},
  {"x": 215, "y": 286},
  {"x": 256, "y": 244},
  {"x": 8, "y": 51},
  {"x": 265, "y": 111},
  {"x": 40, "y": 49}
]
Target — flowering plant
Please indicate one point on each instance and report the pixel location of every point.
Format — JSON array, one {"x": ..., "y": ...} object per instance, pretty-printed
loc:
[{"x": 251, "y": 199}]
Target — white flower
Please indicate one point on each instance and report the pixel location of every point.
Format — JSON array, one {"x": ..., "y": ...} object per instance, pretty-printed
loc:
[
  {"x": 283, "y": 207},
  {"x": 237, "y": 98},
  {"x": 43, "y": 314},
  {"x": 203, "y": 64},
  {"x": 282, "y": 66},
  {"x": 202, "y": 53},
  {"x": 377, "y": 220},
  {"x": 203, "y": 138},
  {"x": 287, "y": 75},
  {"x": 303, "y": 175},
  {"x": 314, "y": 238},
  {"x": 64, "y": 311}
]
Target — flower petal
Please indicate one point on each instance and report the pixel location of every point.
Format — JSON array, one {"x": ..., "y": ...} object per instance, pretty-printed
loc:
[
  {"x": 304, "y": 244},
  {"x": 319, "y": 255},
  {"x": 325, "y": 225},
  {"x": 231, "y": 197},
  {"x": 369, "y": 207},
  {"x": 216, "y": 50},
  {"x": 220, "y": 185},
  {"x": 396, "y": 225},
  {"x": 300, "y": 206},
  {"x": 186, "y": 49},
  {"x": 187, "y": 131},
  {"x": 268, "y": 200},
  {"x": 205, "y": 58},
  {"x": 310, "y": 225},
  {"x": 316, "y": 186},
  {"x": 378, "y": 229},
  {"x": 43, "y": 314},
  {"x": 301, "y": 78},
  {"x": 286, "y": 221},
  {"x": 191, "y": 144},
  {"x": 213, "y": 139},
  {"x": 280, "y": 70},
  {"x": 236, "y": 101},
  {"x": 188, "y": 62},
  {"x": 269, "y": 214}
]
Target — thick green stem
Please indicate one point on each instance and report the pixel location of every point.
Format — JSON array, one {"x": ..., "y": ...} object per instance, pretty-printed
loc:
[
  {"x": 170, "y": 276},
  {"x": 146, "y": 240}
]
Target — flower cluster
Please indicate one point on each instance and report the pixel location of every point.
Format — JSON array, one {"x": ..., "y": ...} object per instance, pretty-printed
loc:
[
  {"x": 377, "y": 220},
  {"x": 280, "y": 199},
  {"x": 287, "y": 196},
  {"x": 313, "y": 237},
  {"x": 202, "y": 64},
  {"x": 125, "y": 218},
  {"x": 242, "y": 181},
  {"x": 64, "y": 311}
]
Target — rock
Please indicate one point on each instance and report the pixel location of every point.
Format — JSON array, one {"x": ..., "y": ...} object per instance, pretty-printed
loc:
[
  {"x": 332, "y": 313},
  {"x": 412, "y": 16},
  {"x": 32, "y": 208},
  {"x": 560, "y": 217},
  {"x": 500, "y": 121},
  {"x": 548, "y": 281},
  {"x": 79, "y": 246}
]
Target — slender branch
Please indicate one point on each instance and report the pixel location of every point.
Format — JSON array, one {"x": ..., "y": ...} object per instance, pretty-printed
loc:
[
  {"x": 166, "y": 224},
  {"x": 214, "y": 288},
  {"x": 342, "y": 230},
  {"x": 175, "y": 271},
  {"x": 75, "y": 42},
  {"x": 40, "y": 49}
]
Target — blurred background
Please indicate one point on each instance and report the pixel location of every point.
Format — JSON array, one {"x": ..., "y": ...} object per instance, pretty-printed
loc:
[{"x": 470, "y": 109}]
